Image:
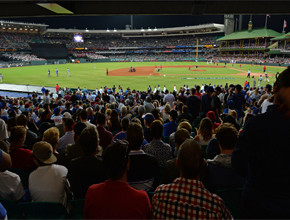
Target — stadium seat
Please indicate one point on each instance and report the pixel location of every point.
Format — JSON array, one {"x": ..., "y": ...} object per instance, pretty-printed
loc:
[
  {"x": 11, "y": 208},
  {"x": 77, "y": 209},
  {"x": 232, "y": 198},
  {"x": 42, "y": 210}
]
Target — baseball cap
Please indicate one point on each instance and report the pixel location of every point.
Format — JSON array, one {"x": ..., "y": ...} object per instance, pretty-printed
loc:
[
  {"x": 43, "y": 152},
  {"x": 211, "y": 115},
  {"x": 148, "y": 117},
  {"x": 210, "y": 89},
  {"x": 173, "y": 114},
  {"x": 56, "y": 111},
  {"x": 66, "y": 115}
]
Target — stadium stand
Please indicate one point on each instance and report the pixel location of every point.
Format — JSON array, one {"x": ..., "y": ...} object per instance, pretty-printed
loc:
[{"x": 235, "y": 145}]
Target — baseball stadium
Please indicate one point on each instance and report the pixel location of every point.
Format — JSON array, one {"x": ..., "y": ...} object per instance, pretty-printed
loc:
[
  {"x": 196, "y": 55},
  {"x": 102, "y": 118}
]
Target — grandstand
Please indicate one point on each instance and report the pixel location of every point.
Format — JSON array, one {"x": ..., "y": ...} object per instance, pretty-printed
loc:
[
  {"x": 157, "y": 43},
  {"x": 251, "y": 43}
]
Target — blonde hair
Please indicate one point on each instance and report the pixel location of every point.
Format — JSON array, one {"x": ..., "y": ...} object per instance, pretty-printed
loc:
[
  {"x": 185, "y": 125},
  {"x": 167, "y": 108},
  {"x": 51, "y": 136},
  {"x": 233, "y": 113}
]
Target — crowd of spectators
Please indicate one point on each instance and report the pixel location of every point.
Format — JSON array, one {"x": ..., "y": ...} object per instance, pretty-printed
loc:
[
  {"x": 21, "y": 41},
  {"x": 260, "y": 59},
  {"x": 24, "y": 57},
  {"x": 110, "y": 145},
  {"x": 246, "y": 45}
]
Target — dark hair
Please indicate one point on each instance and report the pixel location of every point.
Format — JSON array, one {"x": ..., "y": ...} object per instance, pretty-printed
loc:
[
  {"x": 115, "y": 159},
  {"x": 21, "y": 120},
  {"x": 227, "y": 136},
  {"x": 283, "y": 80},
  {"x": 135, "y": 136},
  {"x": 205, "y": 128},
  {"x": 79, "y": 127},
  {"x": 268, "y": 87},
  {"x": 68, "y": 123},
  {"x": 89, "y": 140},
  {"x": 230, "y": 119},
  {"x": 156, "y": 129},
  {"x": 193, "y": 91},
  {"x": 125, "y": 123},
  {"x": 83, "y": 114},
  {"x": 181, "y": 135},
  {"x": 185, "y": 109},
  {"x": 17, "y": 133},
  {"x": 101, "y": 119},
  {"x": 190, "y": 159}
]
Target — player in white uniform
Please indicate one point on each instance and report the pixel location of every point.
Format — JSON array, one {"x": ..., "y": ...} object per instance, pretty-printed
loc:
[
  {"x": 67, "y": 72},
  {"x": 260, "y": 81}
]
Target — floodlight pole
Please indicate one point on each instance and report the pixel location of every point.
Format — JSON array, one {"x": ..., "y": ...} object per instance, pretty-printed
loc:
[
  {"x": 131, "y": 17},
  {"x": 197, "y": 50}
]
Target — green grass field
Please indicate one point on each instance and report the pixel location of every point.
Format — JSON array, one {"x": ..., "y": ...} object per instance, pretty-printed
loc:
[{"x": 93, "y": 75}]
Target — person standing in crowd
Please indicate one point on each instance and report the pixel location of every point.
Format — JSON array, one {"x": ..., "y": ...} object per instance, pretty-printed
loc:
[{"x": 264, "y": 161}]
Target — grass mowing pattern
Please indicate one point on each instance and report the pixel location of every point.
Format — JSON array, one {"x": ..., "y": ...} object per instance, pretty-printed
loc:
[{"x": 92, "y": 75}]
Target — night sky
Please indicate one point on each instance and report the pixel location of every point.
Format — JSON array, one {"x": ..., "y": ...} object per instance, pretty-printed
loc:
[{"x": 103, "y": 22}]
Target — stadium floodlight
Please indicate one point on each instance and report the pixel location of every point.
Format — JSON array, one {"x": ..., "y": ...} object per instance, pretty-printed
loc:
[
  {"x": 108, "y": 30},
  {"x": 142, "y": 29},
  {"x": 155, "y": 29},
  {"x": 87, "y": 30},
  {"x": 115, "y": 30},
  {"x": 149, "y": 29}
]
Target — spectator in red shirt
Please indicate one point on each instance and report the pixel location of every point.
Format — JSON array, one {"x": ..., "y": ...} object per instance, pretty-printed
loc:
[
  {"x": 21, "y": 158},
  {"x": 198, "y": 94},
  {"x": 106, "y": 137},
  {"x": 114, "y": 198}
]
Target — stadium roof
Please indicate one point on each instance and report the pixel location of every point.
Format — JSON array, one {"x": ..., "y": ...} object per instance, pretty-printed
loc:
[
  {"x": 174, "y": 31},
  {"x": 22, "y": 8},
  {"x": 282, "y": 37},
  {"x": 255, "y": 33}
]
